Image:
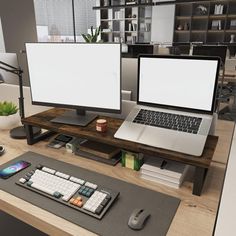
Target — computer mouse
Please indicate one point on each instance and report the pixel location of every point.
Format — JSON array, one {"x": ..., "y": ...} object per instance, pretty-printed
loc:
[
  {"x": 2, "y": 150},
  {"x": 138, "y": 219}
]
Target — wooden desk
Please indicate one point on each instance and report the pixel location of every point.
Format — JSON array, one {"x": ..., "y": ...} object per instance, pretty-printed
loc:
[
  {"x": 43, "y": 120},
  {"x": 195, "y": 215}
]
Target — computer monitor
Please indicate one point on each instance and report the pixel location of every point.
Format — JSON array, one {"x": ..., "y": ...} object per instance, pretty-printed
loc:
[
  {"x": 211, "y": 50},
  {"x": 81, "y": 76},
  {"x": 10, "y": 59}
]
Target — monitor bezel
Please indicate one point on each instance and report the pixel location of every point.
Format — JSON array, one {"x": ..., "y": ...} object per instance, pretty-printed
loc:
[
  {"x": 77, "y": 107},
  {"x": 178, "y": 108},
  {"x": 206, "y": 47}
]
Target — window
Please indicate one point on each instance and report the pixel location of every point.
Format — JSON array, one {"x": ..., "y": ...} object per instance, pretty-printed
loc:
[{"x": 56, "y": 19}]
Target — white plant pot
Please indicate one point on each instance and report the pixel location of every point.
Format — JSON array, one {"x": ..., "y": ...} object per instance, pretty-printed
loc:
[{"x": 9, "y": 122}]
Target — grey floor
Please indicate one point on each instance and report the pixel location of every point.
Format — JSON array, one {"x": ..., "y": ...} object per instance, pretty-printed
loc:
[{"x": 11, "y": 226}]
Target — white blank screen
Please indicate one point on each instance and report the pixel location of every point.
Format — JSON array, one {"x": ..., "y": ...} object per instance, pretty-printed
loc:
[
  {"x": 86, "y": 75},
  {"x": 186, "y": 83}
]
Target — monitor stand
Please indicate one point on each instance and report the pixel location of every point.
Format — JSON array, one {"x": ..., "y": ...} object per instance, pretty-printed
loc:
[{"x": 78, "y": 117}]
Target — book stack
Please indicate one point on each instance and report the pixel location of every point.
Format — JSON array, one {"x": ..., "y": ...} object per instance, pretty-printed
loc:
[
  {"x": 169, "y": 173},
  {"x": 101, "y": 152}
]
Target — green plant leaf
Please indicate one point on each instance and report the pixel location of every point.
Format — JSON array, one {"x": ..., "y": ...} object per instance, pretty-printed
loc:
[{"x": 7, "y": 108}]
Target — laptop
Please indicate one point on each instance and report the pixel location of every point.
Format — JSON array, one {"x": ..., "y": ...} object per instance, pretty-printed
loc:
[{"x": 175, "y": 103}]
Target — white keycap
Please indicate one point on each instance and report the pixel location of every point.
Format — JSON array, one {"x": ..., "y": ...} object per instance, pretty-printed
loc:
[
  {"x": 22, "y": 180},
  {"x": 76, "y": 180},
  {"x": 70, "y": 194},
  {"x": 94, "y": 201},
  {"x": 50, "y": 171},
  {"x": 42, "y": 188},
  {"x": 91, "y": 185},
  {"x": 50, "y": 184},
  {"x": 62, "y": 175}
]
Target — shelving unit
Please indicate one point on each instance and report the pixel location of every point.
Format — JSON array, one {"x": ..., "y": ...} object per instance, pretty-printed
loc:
[
  {"x": 127, "y": 21},
  {"x": 208, "y": 22}
]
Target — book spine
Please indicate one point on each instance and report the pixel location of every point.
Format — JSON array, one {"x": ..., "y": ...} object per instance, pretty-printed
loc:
[{"x": 162, "y": 177}]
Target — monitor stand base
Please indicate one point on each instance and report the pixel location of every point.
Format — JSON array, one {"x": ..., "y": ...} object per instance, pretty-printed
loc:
[{"x": 73, "y": 118}]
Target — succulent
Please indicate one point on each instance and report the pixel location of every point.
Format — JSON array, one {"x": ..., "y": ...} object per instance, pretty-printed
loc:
[
  {"x": 93, "y": 37},
  {"x": 7, "y": 108}
]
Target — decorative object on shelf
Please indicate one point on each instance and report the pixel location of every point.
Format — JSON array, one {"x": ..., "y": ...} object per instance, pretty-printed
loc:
[
  {"x": 186, "y": 26},
  {"x": 8, "y": 115},
  {"x": 131, "y": 160},
  {"x": 180, "y": 27},
  {"x": 93, "y": 37},
  {"x": 232, "y": 38},
  {"x": 116, "y": 39},
  {"x": 134, "y": 16},
  {"x": 200, "y": 10}
]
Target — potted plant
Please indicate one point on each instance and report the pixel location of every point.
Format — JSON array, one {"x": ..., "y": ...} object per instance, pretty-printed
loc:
[
  {"x": 93, "y": 37},
  {"x": 9, "y": 118}
]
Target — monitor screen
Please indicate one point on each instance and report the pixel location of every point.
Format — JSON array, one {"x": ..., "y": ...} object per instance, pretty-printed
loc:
[
  {"x": 175, "y": 81},
  {"x": 75, "y": 75},
  {"x": 211, "y": 50}
]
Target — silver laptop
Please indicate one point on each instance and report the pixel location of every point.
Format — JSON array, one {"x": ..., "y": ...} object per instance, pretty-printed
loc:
[{"x": 175, "y": 103}]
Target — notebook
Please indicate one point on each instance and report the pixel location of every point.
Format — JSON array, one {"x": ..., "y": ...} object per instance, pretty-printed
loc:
[{"x": 175, "y": 103}]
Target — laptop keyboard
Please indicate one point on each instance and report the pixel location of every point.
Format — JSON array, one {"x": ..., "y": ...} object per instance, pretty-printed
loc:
[{"x": 177, "y": 122}]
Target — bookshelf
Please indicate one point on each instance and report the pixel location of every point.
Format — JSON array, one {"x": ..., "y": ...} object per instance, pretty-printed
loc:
[
  {"x": 127, "y": 21},
  {"x": 208, "y": 22}
]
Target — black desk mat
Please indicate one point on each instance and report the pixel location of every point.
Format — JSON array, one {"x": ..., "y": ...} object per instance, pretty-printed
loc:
[{"x": 162, "y": 207}]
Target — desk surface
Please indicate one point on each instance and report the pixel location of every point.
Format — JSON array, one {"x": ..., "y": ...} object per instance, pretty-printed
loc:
[{"x": 195, "y": 216}]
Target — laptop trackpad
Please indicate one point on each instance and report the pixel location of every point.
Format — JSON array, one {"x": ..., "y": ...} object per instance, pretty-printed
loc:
[
  {"x": 175, "y": 141},
  {"x": 130, "y": 131},
  {"x": 159, "y": 137}
]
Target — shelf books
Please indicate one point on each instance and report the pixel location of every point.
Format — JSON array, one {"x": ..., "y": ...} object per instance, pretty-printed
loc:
[
  {"x": 233, "y": 24},
  {"x": 131, "y": 2},
  {"x": 171, "y": 173},
  {"x": 216, "y": 25},
  {"x": 99, "y": 149},
  {"x": 219, "y": 9}
]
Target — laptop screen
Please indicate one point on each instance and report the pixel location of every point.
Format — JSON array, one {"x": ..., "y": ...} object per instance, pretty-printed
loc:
[{"x": 179, "y": 82}]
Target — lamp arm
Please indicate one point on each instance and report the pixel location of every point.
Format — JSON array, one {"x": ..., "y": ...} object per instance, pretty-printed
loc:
[
  {"x": 11, "y": 71},
  {"x": 5, "y": 64}
]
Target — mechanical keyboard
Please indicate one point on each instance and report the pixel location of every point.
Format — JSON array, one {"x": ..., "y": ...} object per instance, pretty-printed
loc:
[
  {"x": 72, "y": 191},
  {"x": 178, "y": 122}
]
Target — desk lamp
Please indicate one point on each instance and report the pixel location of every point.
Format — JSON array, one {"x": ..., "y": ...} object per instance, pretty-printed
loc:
[
  {"x": 18, "y": 132},
  {"x": 1, "y": 79}
]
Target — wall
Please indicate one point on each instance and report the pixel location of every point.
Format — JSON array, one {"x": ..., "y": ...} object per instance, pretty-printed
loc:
[{"x": 19, "y": 26}]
